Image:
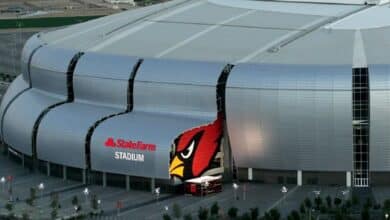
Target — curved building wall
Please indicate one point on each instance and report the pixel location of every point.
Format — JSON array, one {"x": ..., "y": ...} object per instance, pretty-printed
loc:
[
  {"x": 177, "y": 87},
  {"x": 379, "y": 117},
  {"x": 100, "y": 89},
  {"x": 170, "y": 97},
  {"x": 290, "y": 117},
  {"x": 48, "y": 79},
  {"x": 13, "y": 91}
]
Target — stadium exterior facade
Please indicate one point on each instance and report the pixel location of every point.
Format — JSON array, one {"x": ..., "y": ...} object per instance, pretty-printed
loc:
[{"x": 263, "y": 91}]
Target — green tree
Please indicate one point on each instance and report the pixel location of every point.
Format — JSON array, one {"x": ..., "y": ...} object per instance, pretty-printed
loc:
[
  {"x": 94, "y": 202},
  {"x": 368, "y": 203},
  {"x": 275, "y": 214},
  {"x": 365, "y": 214},
  {"x": 302, "y": 209},
  {"x": 295, "y": 215},
  {"x": 355, "y": 200},
  {"x": 245, "y": 216},
  {"x": 337, "y": 202},
  {"x": 75, "y": 201},
  {"x": 329, "y": 201},
  {"x": 214, "y": 210},
  {"x": 308, "y": 203},
  {"x": 176, "y": 211},
  {"x": 254, "y": 213},
  {"x": 187, "y": 217},
  {"x": 54, "y": 201},
  {"x": 318, "y": 202},
  {"x": 203, "y": 213},
  {"x": 9, "y": 206},
  {"x": 233, "y": 212},
  {"x": 166, "y": 217},
  {"x": 54, "y": 214},
  {"x": 25, "y": 216},
  {"x": 33, "y": 193}
]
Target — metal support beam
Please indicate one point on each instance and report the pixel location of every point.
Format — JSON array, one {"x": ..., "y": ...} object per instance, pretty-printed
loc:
[
  {"x": 152, "y": 185},
  {"x": 348, "y": 179},
  {"x": 48, "y": 168},
  {"x": 64, "y": 175},
  {"x": 250, "y": 174},
  {"x": 84, "y": 173},
  {"x": 299, "y": 177},
  {"x": 104, "y": 179},
  {"x": 127, "y": 183}
]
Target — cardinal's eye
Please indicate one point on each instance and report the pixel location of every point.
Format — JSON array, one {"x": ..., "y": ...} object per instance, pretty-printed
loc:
[{"x": 188, "y": 152}]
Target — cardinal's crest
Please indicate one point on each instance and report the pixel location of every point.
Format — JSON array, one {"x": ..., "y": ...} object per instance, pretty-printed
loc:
[{"x": 195, "y": 149}]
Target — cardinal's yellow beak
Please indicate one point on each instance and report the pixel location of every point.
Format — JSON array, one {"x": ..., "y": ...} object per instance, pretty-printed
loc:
[{"x": 177, "y": 167}]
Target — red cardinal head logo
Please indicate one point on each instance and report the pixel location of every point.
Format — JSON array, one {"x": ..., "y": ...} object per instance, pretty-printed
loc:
[{"x": 195, "y": 149}]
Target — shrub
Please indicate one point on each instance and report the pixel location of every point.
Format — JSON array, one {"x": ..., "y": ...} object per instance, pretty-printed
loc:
[
  {"x": 254, "y": 213},
  {"x": 232, "y": 212},
  {"x": 176, "y": 211},
  {"x": 203, "y": 213},
  {"x": 337, "y": 201},
  {"x": 9, "y": 206},
  {"x": 54, "y": 214},
  {"x": 75, "y": 201},
  {"x": 166, "y": 217},
  {"x": 329, "y": 202},
  {"x": 275, "y": 214},
  {"x": 245, "y": 216},
  {"x": 308, "y": 203},
  {"x": 25, "y": 216},
  {"x": 355, "y": 200},
  {"x": 295, "y": 215},
  {"x": 187, "y": 217},
  {"x": 214, "y": 210},
  {"x": 302, "y": 209},
  {"x": 318, "y": 202},
  {"x": 365, "y": 214}
]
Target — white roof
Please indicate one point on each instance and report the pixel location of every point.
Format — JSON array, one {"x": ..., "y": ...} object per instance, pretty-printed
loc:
[{"x": 237, "y": 31}]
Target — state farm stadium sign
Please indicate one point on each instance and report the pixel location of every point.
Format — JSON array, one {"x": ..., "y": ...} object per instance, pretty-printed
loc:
[{"x": 122, "y": 148}]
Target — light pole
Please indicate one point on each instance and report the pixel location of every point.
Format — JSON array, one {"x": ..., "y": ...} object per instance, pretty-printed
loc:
[
  {"x": 235, "y": 188},
  {"x": 284, "y": 191},
  {"x": 86, "y": 193},
  {"x": 2, "y": 181},
  {"x": 41, "y": 187},
  {"x": 99, "y": 202},
  {"x": 157, "y": 192},
  {"x": 386, "y": 216},
  {"x": 9, "y": 180}
]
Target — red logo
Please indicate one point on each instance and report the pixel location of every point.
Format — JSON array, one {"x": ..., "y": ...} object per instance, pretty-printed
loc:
[
  {"x": 129, "y": 144},
  {"x": 195, "y": 149}
]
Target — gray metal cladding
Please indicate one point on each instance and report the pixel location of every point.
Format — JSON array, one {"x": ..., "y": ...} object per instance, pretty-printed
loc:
[
  {"x": 177, "y": 87},
  {"x": 103, "y": 79},
  {"x": 16, "y": 87},
  {"x": 161, "y": 131},
  {"x": 21, "y": 115},
  {"x": 290, "y": 117},
  {"x": 62, "y": 132},
  {"x": 32, "y": 43},
  {"x": 379, "y": 117},
  {"x": 48, "y": 69}
]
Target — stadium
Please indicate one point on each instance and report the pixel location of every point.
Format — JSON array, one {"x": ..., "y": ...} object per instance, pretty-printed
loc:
[{"x": 273, "y": 92}]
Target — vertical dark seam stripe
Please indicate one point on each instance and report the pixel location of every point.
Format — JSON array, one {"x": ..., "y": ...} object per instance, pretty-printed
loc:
[
  {"x": 21, "y": 92},
  {"x": 129, "y": 108},
  {"x": 70, "y": 98}
]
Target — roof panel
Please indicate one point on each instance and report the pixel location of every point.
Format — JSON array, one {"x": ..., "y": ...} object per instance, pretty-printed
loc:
[
  {"x": 146, "y": 43},
  {"x": 275, "y": 20},
  {"x": 226, "y": 44},
  {"x": 206, "y": 14}
]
